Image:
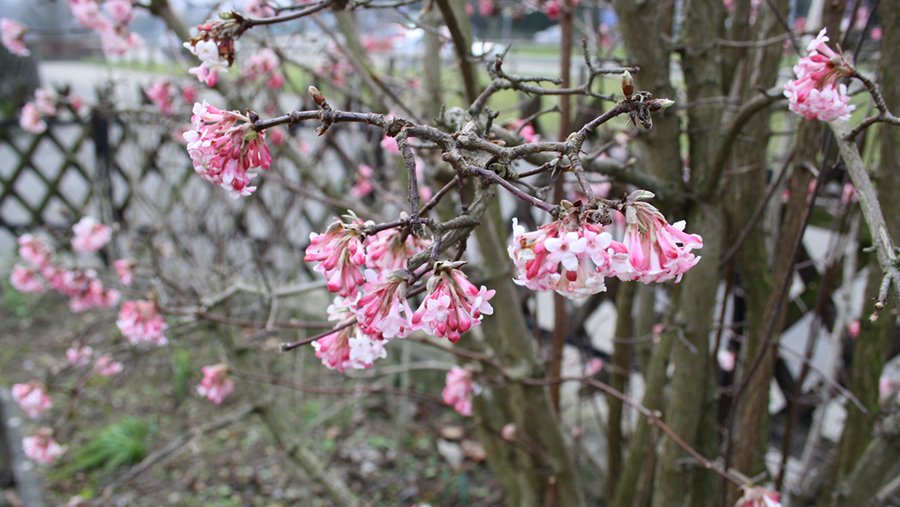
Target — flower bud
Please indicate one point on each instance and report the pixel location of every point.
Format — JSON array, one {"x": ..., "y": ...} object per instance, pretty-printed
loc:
[
  {"x": 660, "y": 104},
  {"x": 627, "y": 84},
  {"x": 317, "y": 96}
]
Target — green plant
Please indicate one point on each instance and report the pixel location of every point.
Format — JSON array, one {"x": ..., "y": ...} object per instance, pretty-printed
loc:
[
  {"x": 118, "y": 444},
  {"x": 182, "y": 370}
]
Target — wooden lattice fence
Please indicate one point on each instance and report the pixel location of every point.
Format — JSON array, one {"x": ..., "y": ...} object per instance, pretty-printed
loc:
[{"x": 134, "y": 172}]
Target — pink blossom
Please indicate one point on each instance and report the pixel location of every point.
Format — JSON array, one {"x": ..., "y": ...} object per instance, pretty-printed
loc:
[
  {"x": 570, "y": 255},
  {"x": 223, "y": 150},
  {"x": 453, "y": 305},
  {"x": 42, "y": 448},
  {"x": 726, "y": 359},
  {"x": 26, "y": 280},
  {"x": 121, "y": 11},
  {"x": 189, "y": 93},
  {"x": 125, "y": 271},
  {"x": 383, "y": 311},
  {"x": 509, "y": 431},
  {"x": 758, "y": 497},
  {"x": 31, "y": 120},
  {"x": 527, "y": 132},
  {"x": 258, "y": 9},
  {"x": 817, "y": 91},
  {"x": 80, "y": 356},
  {"x": 106, "y": 367},
  {"x": 658, "y": 251},
  {"x": 277, "y": 136},
  {"x": 552, "y": 9},
  {"x": 387, "y": 250},
  {"x": 216, "y": 385},
  {"x": 390, "y": 144},
  {"x": 76, "y": 102},
  {"x": 363, "y": 186},
  {"x": 261, "y": 64},
  {"x": 459, "y": 390},
  {"x": 486, "y": 7},
  {"x": 876, "y": 33},
  {"x": 84, "y": 290},
  {"x": 12, "y": 34},
  {"x": 470, "y": 9},
  {"x": 32, "y": 397},
  {"x": 853, "y": 328},
  {"x": 340, "y": 250},
  {"x": 45, "y": 101},
  {"x": 848, "y": 193},
  {"x": 141, "y": 322},
  {"x": 160, "y": 94},
  {"x": 34, "y": 251},
  {"x": 215, "y": 49},
  {"x": 118, "y": 40},
  {"x": 88, "y": 14},
  {"x": 90, "y": 235},
  {"x": 593, "y": 367}
]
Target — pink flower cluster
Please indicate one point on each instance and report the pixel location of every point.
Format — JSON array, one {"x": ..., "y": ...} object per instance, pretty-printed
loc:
[
  {"x": 453, "y": 305},
  {"x": 817, "y": 91},
  {"x": 34, "y": 112},
  {"x": 350, "y": 347},
  {"x": 553, "y": 8},
  {"x": 258, "y": 9},
  {"x": 106, "y": 367},
  {"x": 80, "y": 356},
  {"x": 459, "y": 390},
  {"x": 12, "y": 35},
  {"x": 378, "y": 301},
  {"x": 214, "y": 46},
  {"x": 125, "y": 271},
  {"x": 42, "y": 448},
  {"x": 340, "y": 253},
  {"x": 758, "y": 497},
  {"x": 223, "y": 150},
  {"x": 83, "y": 289},
  {"x": 264, "y": 64},
  {"x": 363, "y": 185},
  {"x": 572, "y": 256},
  {"x": 112, "y": 25},
  {"x": 216, "y": 385},
  {"x": 90, "y": 235},
  {"x": 32, "y": 397},
  {"x": 160, "y": 95},
  {"x": 141, "y": 322}
]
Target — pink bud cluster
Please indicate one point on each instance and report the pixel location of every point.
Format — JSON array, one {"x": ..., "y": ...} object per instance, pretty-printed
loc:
[
  {"x": 140, "y": 322},
  {"x": 32, "y": 398},
  {"x": 112, "y": 25},
  {"x": 817, "y": 91},
  {"x": 83, "y": 289},
  {"x": 12, "y": 35},
  {"x": 106, "y": 367},
  {"x": 572, "y": 255},
  {"x": 264, "y": 65},
  {"x": 459, "y": 390},
  {"x": 42, "y": 448},
  {"x": 216, "y": 385},
  {"x": 340, "y": 253},
  {"x": 223, "y": 150}
]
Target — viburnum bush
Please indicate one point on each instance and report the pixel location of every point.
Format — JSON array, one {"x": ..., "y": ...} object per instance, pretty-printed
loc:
[{"x": 675, "y": 205}]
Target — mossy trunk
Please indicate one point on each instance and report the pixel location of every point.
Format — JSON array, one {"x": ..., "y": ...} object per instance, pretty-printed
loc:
[{"x": 546, "y": 477}]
